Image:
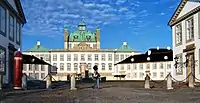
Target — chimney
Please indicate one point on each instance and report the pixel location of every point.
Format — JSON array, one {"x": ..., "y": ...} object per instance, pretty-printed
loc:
[
  {"x": 158, "y": 48},
  {"x": 38, "y": 44},
  {"x": 125, "y": 43}
]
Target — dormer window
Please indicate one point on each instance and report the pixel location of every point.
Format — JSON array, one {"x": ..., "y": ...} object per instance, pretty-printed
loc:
[
  {"x": 75, "y": 37},
  {"x": 88, "y": 38}
]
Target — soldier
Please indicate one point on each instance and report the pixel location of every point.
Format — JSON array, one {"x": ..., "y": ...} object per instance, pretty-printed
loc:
[{"x": 96, "y": 76}]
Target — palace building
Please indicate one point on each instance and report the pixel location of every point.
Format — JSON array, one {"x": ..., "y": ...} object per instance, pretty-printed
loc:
[
  {"x": 81, "y": 52},
  {"x": 185, "y": 24}
]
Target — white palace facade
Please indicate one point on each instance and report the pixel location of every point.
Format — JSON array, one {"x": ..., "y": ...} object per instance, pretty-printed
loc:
[{"x": 81, "y": 52}]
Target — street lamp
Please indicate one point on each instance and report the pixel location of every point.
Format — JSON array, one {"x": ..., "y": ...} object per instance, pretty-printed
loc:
[{"x": 176, "y": 62}]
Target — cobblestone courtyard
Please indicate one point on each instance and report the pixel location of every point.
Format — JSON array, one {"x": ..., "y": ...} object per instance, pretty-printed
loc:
[{"x": 110, "y": 93}]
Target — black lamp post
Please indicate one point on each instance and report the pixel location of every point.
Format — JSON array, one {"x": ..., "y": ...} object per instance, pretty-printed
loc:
[{"x": 176, "y": 62}]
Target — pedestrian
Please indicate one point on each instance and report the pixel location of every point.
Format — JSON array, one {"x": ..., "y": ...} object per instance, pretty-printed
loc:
[{"x": 96, "y": 77}]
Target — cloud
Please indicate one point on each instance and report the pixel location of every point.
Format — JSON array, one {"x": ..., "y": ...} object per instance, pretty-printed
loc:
[
  {"x": 48, "y": 17},
  {"x": 162, "y": 13}
]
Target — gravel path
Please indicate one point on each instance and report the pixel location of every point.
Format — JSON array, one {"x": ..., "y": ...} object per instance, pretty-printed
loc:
[{"x": 110, "y": 93}]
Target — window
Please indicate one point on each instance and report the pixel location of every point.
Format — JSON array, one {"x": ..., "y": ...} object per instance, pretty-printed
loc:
[
  {"x": 97, "y": 64},
  {"x": 36, "y": 67},
  {"x": 31, "y": 75},
  {"x": 37, "y": 76},
  {"x": 2, "y": 20},
  {"x": 169, "y": 66},
  {"x": 42, "y": 75},
  {"x": 161, "y": 66},
  {"x": 30, "y": 67},
  {"x": 141, "y": 75},
  {"x": 117, "y": 57},
  {"x": 82, "y": 57},
  {"x": 75, "y": 57},
  {"x": 2, "y": 59},
  {"x": 127, "y": 56},
  {"x": 134, "y": 75},
  {"x": 154, "y": 74},
  {"x": 24, "y": 67},
  {"x": 11, "y": 28},
  {"x": 18, "y": 33},
  {"x": 122, "y": 57},
  {"x": 178, "y": 30},
  {"x": 89, "y": 66},
  {"x": 190, "y": 30},
  {"x": 54, "y": 67},
  {"x": 110, "y": 66},
  {"x": 61, "y": 66},
  {"x": 75, "y": 66},
  {"x": 128, "y": 67},
  {"x": 179, "y": 69},
  {"x": 122, "y": 67},
  {"x": 42, "y": 68},
  {"x": 94, "y": 45},
  {"x": 161, "y": 75},
  {"x": 41, "y": 56},
  {"x": 154, "y": 66},
  {"x": 68, "y": 57},
  {"x": 68, "y": 66},
  {"x": 135, "y": 66},
  {"x": 89, "y": 57},
  {"x": 54, "y": 57},
  {"x": 47, "y": 57},
  {"x": 103, "y": 66},
  {"x": 96, "y": 57},
  {"x": 103, "y": 57},
  {"x": 109, "y": 57},
  {"x": 141, "y": 66},
  {"x": 61, "y": 57}
]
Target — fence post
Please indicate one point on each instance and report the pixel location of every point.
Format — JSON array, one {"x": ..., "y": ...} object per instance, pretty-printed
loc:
[
  {"x": 191, "y": 80},
  {"x": 1, "y": 81},
  {"x": 147, "y": 82},
  {"x": 24, "y": 81},
  {"x": 169, "y": 81},
  {"x": 48, "y": 81},
  {"x": 73, "y": 82}
]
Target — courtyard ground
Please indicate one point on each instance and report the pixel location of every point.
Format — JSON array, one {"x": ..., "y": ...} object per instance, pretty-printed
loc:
[{"x": 111, "y": 92}]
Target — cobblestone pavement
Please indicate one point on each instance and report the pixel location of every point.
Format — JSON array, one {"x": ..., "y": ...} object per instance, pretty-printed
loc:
[{"x": 110, "y": 93}]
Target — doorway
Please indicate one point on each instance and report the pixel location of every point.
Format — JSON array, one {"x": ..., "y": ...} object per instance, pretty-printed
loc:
[{"x": 190, "y": 64}]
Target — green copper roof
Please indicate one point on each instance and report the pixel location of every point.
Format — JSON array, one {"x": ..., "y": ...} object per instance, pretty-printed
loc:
[
  {"x": 39, "y": 49},
  {"x": 125, "y": 48},
  {"x": 79, "y": 36}
]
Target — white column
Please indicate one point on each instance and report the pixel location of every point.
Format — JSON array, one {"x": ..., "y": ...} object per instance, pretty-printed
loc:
[
  {"x": 73, "y": 82},
  {"x": 191, "y": 81},
  {"x": 48, "y": 81},
  {"x": 169, "y": 82},
  {"x": 147, "y": 82}
]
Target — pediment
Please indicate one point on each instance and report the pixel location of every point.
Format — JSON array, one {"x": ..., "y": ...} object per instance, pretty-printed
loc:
[
  {"x": 184, "y": 8},
  {"x": 13, "y": 4},
  {"x": 187, "y": 8}
]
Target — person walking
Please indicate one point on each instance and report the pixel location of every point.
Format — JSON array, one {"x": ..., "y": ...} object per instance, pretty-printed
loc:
[{"x": 96, "y": 76}]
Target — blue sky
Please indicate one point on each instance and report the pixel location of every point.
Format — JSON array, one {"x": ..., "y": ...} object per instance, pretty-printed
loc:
[{"x": 141, "y": 23}]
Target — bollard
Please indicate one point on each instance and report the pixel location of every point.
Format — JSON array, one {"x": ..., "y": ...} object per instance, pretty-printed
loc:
[
  {"x": 169, "y": 82},
  {"x": 191, "y": 81},
  {"x": 147, "y": 82},
  {"x": 73, "y": 82},
  {"x": 1, "y": 81},
  {"x": 48, "y": 81},
  {"x": 24, "y": 81}
]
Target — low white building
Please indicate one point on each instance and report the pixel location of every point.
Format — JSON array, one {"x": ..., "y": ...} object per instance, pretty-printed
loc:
[
  {"x": 11, "y": 20},
  {"x": 185, "y": 24},
  {"x": 81, "y": 53},
  {"x": 157, "y": 63}
]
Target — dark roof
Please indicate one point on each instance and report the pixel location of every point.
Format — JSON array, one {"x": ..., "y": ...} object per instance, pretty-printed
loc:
[
  {"x": 156, "y": 55},
  {"x": 27, "y": 59}
]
